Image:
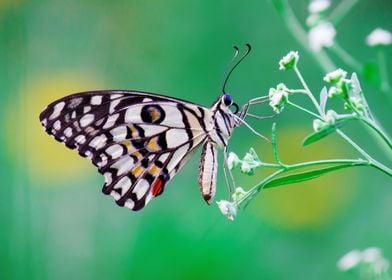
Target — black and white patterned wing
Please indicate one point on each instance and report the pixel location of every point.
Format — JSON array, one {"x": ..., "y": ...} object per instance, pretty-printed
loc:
[{"x": 137, "y": 140}]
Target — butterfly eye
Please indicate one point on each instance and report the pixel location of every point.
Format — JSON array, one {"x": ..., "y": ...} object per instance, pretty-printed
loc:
[{"x": 227, "y": 100}]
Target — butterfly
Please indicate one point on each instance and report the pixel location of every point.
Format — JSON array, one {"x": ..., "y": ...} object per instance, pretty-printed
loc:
[{"x": 139, "y": 140}]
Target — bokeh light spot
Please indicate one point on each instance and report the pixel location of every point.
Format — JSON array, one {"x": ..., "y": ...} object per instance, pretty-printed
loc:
[
  {"x": 311, "y": 204},
  {"x": 30, "y": 147}
]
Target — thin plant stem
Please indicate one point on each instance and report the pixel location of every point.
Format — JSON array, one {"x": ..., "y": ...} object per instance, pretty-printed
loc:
[
  {"x": 308, "y": 92},
  {"x": 385, "y": 85},
  {"x": 303, "y": 109},
  {"x": 372, "y": 161},
  {"x": 346, "y": 57},
  {"x": 295, "y": 28},
  {"x": 342, "y": 10},
  {"x": 352, "y": 143},
  {"x": 297, "y": 91},
  {"x": 376, "y": 129}
]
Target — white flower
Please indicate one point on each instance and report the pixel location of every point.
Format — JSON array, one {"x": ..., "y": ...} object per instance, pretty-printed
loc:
[
  {"x": 318, "y": 6},
  {"x": 238, "y": 194},
  {"x": 368, "y": 262},
  {"x": 350, "y": 260},
  {"x": 330, "y": 117},
  {"x": 321, "y": 35},
  {"x": 289, "y": 61},
  {"x": 379, "y": 37},
  {"x": 356, "y": 102},
  {"x": 247, "y": 168},
  {"x": 371, "y": 254},
  {"x": 227, "y": 208},
  {"x": 278, "y": 97},
  {"x": 381, "y": 266},
  {"x": 232, "y": 160},
  {"x": 318, "y": 125},
  {"x": 335, "y": 76},
  {"x": 340, "y": 85}
]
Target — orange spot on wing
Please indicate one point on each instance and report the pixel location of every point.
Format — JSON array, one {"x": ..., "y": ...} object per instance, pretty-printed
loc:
[
  {"x": 154, "y": 113},
  {"x": 153, "y": 145},
  {"x": 156, "y": 187},
  {"x": 137, "y": 171}
]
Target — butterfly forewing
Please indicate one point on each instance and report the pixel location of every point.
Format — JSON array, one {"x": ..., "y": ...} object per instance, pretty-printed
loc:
[{"x": 137, "y": 140}]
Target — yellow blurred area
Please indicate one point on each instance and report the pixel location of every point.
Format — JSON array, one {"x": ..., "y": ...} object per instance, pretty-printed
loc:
[
  {"x": 5, "y": 4},
  {"x": 46, "y": 160},
  {"x": 310, "y": 204}
]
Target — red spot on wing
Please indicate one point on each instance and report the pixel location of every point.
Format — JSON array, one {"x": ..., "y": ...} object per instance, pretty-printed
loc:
[{"x": 157, "y": 187}]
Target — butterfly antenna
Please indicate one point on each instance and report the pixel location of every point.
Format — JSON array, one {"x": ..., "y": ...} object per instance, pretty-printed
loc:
[
  {"x": 227, "y": 71},
  {"x": 228, "y": 67}
]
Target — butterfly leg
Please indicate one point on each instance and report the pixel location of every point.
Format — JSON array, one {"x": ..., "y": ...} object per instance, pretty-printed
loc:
[{"x": 231, "y": 187}]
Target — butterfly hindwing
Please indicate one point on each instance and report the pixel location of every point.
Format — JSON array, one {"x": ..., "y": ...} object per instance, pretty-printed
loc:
[{"x": 137, "y": 140}]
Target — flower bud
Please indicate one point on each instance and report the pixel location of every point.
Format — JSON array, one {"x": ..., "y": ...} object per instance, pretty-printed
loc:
[
  {"x": 238, "y": 194},
  {"x": 379, "y": 37},
  {"x": 232, "y": 160},
  {"x": 321, "y": 35},
  {"x": 278, "y": 97},
  {"x": 247, "y": 168},
  {"x": 227, "y": 208},
  {"x": 335, "y": 77},
  {"x": 289, "y": 61}
]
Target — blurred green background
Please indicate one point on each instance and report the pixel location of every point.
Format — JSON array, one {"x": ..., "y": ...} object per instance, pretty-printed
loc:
[{"x": 56, "y": 224}]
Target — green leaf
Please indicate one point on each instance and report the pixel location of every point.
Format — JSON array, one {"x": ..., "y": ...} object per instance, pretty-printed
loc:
[
  {"x": 318, "y": 135},
  {"x": 314, "y": 137},
  {"x": 304, "y": 176}
]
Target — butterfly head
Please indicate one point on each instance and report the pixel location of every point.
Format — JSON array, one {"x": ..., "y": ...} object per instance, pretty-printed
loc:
[{"x": 227, "y": 101}]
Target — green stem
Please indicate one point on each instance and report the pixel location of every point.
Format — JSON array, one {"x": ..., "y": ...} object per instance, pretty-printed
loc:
[
  {"x": 352, "y": 143},
  {"x": 385, "y": 86},
  {"x": 371, "y": 160},
  {"x": 359, "y": 162},
  {"x": 308, "y": 92},
  {"x": 346, "y": 57},
  {"x": 293, "y": 25},
  {"x": 253, "y": 191},
  {"x": 381, "y": 133},
  {"x": 342, "y": 10},
  {"x": 297, "y": 91},
  {"x": 326, "y": 161},
  {"x": 303, "y": 109},
  {"x": 275, "y": 146}
]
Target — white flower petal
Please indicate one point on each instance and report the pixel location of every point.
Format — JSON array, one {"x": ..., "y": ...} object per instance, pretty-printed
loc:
[
  {"x": 350, "y": 260},
  {"x": 322, "y": 35},
  {"x": 227, "y": 208},
  {"x": 318, "y": 6},
  {"x": 379, "y": 37}
]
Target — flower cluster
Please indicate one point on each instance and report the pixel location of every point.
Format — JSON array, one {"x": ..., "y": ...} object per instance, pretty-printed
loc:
[
  {"x": 229, "y": 208},
  {"x": 322, "y": 32},
  {"x": 329, "y": 121},
  {"x": 340, "y": 86},
  {"x": 278, "y": 97},
  {"x": 248, "y": 164},
  {"x": 369, "y": 262},
  {"x": 289, "y": 61},
  {"x": 347, "y": 89}
]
